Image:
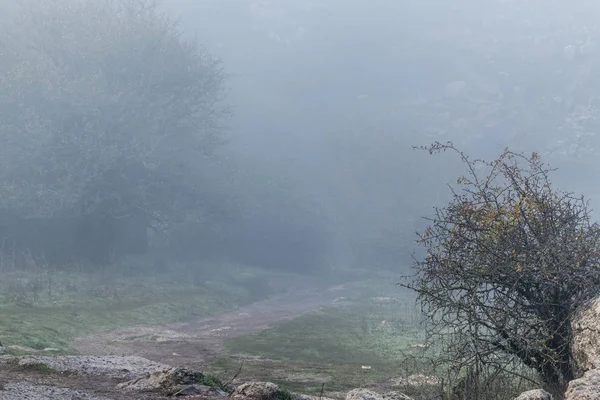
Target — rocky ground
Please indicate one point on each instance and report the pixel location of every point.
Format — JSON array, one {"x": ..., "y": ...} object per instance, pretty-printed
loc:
[
  {"x": 191, "y": 344},
  {"x": 138, "y": 362},
  {"x": 126, "y": 377},
  {"x": 164, "y": 362}
]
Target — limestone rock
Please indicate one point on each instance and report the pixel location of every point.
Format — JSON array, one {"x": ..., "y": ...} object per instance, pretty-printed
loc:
[
  {"x": 365, "y": 394},
  {"x": 169, "y": 379},
  {"x": 585, "y": 388},
  {"x": 255, "y": 391},
  {"x": 586, "y": 337},
  {"x": 537, "y": 394},
  {"x": 416, "y": 380}
]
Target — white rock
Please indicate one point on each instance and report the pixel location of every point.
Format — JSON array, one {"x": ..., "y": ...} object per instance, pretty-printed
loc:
[
  {"x": 255, "y": 391},
  {"x": 584, "y": 388},
  {"x": 586, "y": 337},
  {"x": 537, "y": 394},
  {"x": 365, "y": 394}
]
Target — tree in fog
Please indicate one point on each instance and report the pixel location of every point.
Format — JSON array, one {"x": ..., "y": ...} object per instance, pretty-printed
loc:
[
  {"x": 509, "y": 261},
  {"x": 105, "y": 107}
]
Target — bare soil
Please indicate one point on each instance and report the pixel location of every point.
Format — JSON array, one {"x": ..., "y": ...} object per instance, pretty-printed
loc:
[
  {"x": 192, "y": 344},
  {"x": 111, "y": 358}
]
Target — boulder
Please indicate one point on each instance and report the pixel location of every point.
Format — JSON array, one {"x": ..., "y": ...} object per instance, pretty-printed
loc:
[
  {"x": 365, "y": 394},
  {"x": 416, "y": 380},
  {"x": 255, "y": 391},
  {"x": 585, "y": 388},
  {"x": 170, "y": 379},
  {"x": 586, "y": 337},
  {"x": 537, "y": 394}
]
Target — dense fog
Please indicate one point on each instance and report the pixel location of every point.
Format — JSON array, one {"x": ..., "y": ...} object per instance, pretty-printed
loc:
[
  {"x": 306, "y": 158},
  {"x": 333, "y": 95}
]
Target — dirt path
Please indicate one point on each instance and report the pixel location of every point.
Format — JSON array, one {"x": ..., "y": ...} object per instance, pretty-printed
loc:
[
  {"x": 110, "y": 358},
  {"x": 193, "y": 344}
]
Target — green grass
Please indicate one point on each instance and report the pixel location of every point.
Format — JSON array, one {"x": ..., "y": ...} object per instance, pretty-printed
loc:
[
  {"x": 214, "y": 382},
  {"x": 48, "y": 309},
  {"x": 283, "y": 394},
  {"x": 55, "y": 326},
  {"x": 328, "y": 347},
  {"x": 333, "y": 335},
  {"x": 326, "y": 350},
  {"x": 331, "y": 346}
]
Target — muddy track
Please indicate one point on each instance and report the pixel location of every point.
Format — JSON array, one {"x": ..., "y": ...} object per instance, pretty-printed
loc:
[
  {"x": 110, "y": 358},
  {"x": 193, "y": 344}
]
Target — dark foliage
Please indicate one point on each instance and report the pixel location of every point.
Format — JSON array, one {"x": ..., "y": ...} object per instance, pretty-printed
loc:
[{"x": 509, "y": 261}]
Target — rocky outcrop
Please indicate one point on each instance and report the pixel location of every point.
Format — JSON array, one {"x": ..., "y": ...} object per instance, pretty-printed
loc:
[
  {"x": 586, "y": 353},
  {"x": 537, "y": 394},
  {"x": 122, "y": 367},
  {"x": 175, "y": 381},
  {"x": 31, "y": 391},
  {"x": 137, "y": 375},
  {"x": 585, "y": 388},
  {"x": 365, "y": 394},
  {"x": 256, "y": 391},
  {"x": 586, "y": 337}
]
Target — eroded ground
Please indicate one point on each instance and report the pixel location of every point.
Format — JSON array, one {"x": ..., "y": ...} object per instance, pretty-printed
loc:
[
  {"x": 195, "y": 343},
  {"x": 286, "y": 338}
]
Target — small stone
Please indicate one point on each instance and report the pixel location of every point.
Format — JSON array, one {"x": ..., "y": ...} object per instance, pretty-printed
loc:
[
  {"x": 417, "y": 380},
  {"x": 536, "y": 394},
  {"x": 365, "y": 394},
  {"x": 255, "y": 391}
]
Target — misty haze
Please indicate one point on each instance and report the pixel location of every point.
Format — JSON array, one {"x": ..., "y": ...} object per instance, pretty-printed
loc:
[{"x": 299, "y": 199}]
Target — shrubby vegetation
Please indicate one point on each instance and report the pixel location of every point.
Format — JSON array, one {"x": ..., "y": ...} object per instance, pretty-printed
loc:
[{"x": 509, "y": 262}]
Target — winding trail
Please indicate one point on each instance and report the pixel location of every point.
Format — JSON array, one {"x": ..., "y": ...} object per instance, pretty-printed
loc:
[
  {"x": 110, "y": 358},
  {"x": 192, "y": 344}
]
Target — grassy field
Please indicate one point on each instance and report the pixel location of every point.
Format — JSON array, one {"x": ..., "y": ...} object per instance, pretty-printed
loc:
[
  {"x": 375, "y": 341},
  {"x": 326, "y": 351},
  {"x": 47, "y": 309}
]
